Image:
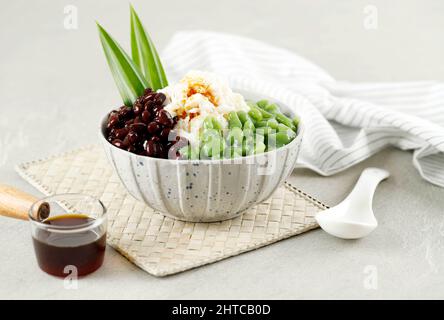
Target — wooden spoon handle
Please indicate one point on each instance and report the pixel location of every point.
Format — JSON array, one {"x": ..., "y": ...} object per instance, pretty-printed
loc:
[{"x": 15, "y": 203}]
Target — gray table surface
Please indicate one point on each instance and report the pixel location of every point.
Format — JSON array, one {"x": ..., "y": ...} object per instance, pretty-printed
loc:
[{"x": 54, "y": 86}]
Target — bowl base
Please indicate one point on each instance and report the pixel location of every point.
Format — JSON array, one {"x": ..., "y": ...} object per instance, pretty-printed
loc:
[{"x": 235, "y": 215}]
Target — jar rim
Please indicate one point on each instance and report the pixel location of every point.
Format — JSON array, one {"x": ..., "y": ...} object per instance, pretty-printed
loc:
[{"x": 62, "y": 199}]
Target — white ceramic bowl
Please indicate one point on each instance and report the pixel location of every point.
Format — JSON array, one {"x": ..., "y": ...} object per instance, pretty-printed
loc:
[{"x": 204, "y": 190}]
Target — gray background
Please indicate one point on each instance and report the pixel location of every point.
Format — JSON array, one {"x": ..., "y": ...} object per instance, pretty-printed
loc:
[{"x": 54, "y": 86}]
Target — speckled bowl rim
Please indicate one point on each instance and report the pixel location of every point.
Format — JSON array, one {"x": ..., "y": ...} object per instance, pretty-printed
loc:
[{"x": 296, "y": 140}]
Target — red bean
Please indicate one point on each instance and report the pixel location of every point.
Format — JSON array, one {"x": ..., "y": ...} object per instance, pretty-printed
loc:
[
  {"x": 148, "y": 106},
  {"x": 118, "y": 143},
  {"x": 156, "y": 109},
  {"x": 125, "y": 112},
  {"x": 132, "y": 149},
  {"x": 129, "y": 123},
  {"x": 160, "y": 98},
  {"x": 162, "y": 151},
  {"x": 153, "y": 127},
  {"x": 152, "y": 149},
  {"x": 138, "y": 108},
  {"x": 164, "y": 118},
  {"x": 138, "y": 119},
  {"x": 149, "y": 97},
  {"x": 121, "y": 133},
  {"x": 139, "y": 127},
  {"x": 146, "y": 116},
  {"x": 112, "y": 121},
  {"x": 165, "y": 133},
  {"x": 133, "y": 137},
  {"x": 113, "y": 113}
]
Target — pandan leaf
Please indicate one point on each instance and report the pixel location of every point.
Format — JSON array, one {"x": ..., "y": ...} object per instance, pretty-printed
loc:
[
  {"x": 145, "y": 55},
  {"x": 127, "y": 76}
]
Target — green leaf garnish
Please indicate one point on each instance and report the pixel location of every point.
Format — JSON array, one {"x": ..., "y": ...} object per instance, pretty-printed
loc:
[
  {"x": 127, "y": 76},
  {"x": 144, "y": 54}
]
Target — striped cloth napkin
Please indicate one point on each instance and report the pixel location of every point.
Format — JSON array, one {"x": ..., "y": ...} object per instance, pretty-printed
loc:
[{"x": 345, "y": 122}]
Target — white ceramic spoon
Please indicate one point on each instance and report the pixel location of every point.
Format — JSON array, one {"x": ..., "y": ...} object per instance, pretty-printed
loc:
[{"x": 353, "y": 218}]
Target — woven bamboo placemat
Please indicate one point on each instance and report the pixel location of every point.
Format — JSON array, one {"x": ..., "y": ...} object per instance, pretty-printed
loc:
[{"x": 160, "y": 245}]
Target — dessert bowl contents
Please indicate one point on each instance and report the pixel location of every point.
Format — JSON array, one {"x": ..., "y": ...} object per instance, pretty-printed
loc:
[{"x": 199, "y": 117}]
